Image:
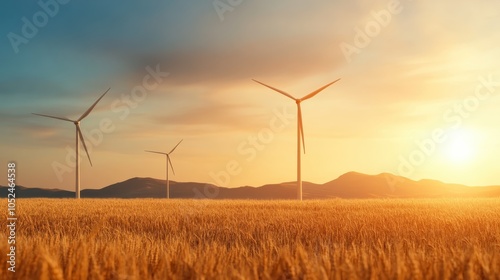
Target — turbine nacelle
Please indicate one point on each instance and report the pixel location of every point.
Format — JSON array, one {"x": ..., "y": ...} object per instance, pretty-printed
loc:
[
  {"x": 77, "y": 123},
  {"x": 169, "y": 162}
]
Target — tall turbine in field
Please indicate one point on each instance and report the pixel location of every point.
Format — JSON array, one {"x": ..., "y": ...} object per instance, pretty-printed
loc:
[
  {"x": 79, "y": 135},
  {"x": 168, "y": 162},
  {"x": 300, "y": 128}
]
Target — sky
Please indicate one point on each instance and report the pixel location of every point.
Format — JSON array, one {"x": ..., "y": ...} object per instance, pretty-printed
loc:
[{"x": 418, "y": 96}]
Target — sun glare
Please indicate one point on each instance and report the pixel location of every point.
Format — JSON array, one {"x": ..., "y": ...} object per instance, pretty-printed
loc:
[{"x": 461, "y": 147}]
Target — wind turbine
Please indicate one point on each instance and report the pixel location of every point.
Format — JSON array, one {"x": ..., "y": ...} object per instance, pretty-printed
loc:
[
  {"x": 300, "y": 128},
  {"x": 168, "y": 161},
  {"x": 79, "y": 135}
]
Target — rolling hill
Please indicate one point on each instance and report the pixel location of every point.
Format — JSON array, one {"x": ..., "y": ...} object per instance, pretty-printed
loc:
[{"x": 349, "y": 185}]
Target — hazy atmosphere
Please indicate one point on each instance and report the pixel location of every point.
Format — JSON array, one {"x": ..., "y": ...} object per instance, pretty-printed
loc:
[{"x": 418, "y": 96}]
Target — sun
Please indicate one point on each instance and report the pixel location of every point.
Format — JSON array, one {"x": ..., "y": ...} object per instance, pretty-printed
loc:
[{"x": 461, "y": 146}]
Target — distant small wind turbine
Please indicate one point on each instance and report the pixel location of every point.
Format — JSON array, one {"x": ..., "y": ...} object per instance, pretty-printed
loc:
[
  {"x": 300, "y": 128},
  {"x": 78, "y": 136},
  {"x": 168, "y": 162}
]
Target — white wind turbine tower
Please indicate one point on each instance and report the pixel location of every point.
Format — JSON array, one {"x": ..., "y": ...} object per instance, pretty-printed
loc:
[
  {"x": 79, "y": 135},
  {"x": 168, "y": 162},
  {"x": 300, "y": 128}
]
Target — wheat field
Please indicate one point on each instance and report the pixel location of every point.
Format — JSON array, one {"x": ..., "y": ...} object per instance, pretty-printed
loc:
[{"x": 201, "y": 239}]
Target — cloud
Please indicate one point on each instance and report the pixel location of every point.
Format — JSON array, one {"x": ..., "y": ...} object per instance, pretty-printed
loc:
[{"x": 216, "y": 116}]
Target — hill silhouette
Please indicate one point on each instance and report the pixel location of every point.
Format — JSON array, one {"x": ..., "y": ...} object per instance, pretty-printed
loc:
[{"x": 349, "y": 185}]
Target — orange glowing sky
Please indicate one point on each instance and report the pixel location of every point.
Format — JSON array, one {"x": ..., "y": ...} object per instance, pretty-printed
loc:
[{"x": 418, "y": 98}]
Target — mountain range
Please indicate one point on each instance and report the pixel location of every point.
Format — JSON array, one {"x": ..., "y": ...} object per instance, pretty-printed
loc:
[{"x": 349, "y": 185}]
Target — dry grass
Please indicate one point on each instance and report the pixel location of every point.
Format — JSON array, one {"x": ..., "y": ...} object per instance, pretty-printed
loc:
[{"x": 185, "y": 239}]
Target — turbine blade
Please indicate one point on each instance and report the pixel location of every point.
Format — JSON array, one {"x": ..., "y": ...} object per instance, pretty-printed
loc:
[
  {"x": 301, "y": 127},
  {"x": 175, "y": 147},
  {"x": 83, "y": 142},
  {"x": 92, "y": 107},
  {"x": 156, "y": 152},
  {"x": 317, "y": 91},
  {"x": 275, "y": 89},
  {"x": 59, "y": 118},
  {"x": 170, "y": 162}
]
